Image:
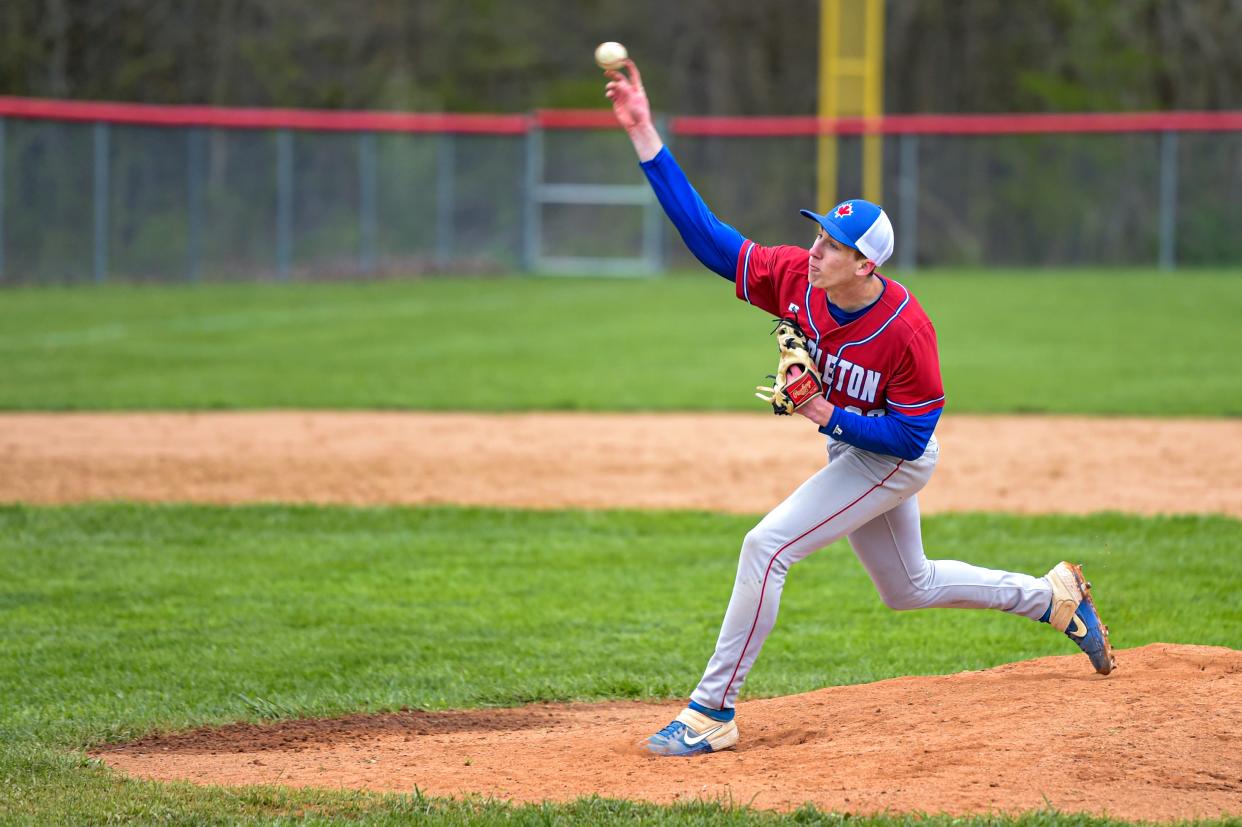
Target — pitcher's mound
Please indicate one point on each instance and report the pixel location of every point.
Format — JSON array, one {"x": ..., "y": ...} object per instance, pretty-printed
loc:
[{"x": 1159, "y": 739}]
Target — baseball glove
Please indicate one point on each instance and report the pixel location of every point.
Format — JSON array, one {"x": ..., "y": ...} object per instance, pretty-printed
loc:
[{"x": 796, "y": 380}]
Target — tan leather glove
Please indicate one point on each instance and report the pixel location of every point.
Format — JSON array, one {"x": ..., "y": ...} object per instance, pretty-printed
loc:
[{"x": 797, "y": 379}]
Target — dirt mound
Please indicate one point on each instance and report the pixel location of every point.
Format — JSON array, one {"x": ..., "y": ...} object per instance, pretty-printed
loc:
[
  {"x": 743, "y": 463},
  {"x": 1159, "y": 739}
]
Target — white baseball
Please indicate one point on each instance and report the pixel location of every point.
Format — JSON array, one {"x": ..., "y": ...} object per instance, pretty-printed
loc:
[{"x": 610, "y": 55}]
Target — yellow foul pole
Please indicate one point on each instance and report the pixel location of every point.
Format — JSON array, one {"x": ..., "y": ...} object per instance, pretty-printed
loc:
[
  {"x": 873, "y": 103},
  {"x": 826, "y": 149},
  {"x": 851, "y": 85}
]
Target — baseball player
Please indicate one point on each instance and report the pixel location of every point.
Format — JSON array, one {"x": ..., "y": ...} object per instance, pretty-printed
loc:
[{"x": 876, "y": 350}]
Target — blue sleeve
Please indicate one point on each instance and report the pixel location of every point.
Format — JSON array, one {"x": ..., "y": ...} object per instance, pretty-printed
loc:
[
  {"x": 713, "y": 242},
  {"x": 896, "y": 434}
]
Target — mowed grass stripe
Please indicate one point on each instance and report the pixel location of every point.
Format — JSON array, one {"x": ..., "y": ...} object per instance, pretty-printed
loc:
[
  {"x": 119, "y": 619},
  {"x": 1099, "y": 342}
]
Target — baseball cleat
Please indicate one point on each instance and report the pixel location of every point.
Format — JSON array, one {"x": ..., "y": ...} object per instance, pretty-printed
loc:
[
  {"x": 1073, "y": 612},
  {"x": 693, "y": 733}
]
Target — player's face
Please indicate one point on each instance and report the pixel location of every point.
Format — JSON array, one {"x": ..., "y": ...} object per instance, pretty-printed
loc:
[{"x": 833, "y": 264}]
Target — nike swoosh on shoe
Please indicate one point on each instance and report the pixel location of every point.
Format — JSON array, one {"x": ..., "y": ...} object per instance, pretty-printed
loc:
[{"x": 698, "y": 739}]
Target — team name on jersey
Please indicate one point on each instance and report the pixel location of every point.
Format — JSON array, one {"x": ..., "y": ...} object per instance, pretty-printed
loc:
[{"x": 855, "y": 381}]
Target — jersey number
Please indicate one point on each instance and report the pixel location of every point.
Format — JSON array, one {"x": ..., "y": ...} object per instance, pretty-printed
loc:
[{"x": 856, "y": 410}]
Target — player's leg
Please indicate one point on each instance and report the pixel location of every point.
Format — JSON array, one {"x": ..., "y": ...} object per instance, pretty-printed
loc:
[
  {"x": 835, "y": 501},
  {"x": 829, "y": 505},
  {"x": 890, "y": 547},
  {"x": 826, "y": 507}
]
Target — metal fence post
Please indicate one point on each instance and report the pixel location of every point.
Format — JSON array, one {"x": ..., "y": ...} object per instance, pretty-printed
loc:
[
  {"x": 366, "y": 202},
  {"x": 1168, "y": 200},
  {"x": 909, "y": 202},
  {"x": 195, "y": 150},
  {"x": 101, "y": 201},
  {"x": 446, "y": 199},
  {"x": 284, "y": 202},
  {"x": 534, "y": 178},
  {"x": 2, "y": 200}
]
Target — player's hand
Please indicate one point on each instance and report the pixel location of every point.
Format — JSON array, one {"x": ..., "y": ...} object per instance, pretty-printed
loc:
[{"x": 629, "y": 99}]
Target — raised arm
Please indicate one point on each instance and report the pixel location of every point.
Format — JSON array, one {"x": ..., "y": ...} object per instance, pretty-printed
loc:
[
  {"x": 713, "y": 242},
  {"x": 633, "y": 111}
]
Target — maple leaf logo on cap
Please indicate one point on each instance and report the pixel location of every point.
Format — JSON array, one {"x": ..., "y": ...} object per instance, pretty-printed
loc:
[{"x": 845, "y": 209}]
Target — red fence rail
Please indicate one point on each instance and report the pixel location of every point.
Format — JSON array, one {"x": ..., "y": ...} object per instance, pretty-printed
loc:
[
  {"x": 1019, "y": 124},
  {"x": 141, "y": 114},
  {"x": 519, "y": 124}
]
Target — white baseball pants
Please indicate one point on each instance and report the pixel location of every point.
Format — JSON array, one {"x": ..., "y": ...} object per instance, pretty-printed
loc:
[{"x": 869, "y": 498}]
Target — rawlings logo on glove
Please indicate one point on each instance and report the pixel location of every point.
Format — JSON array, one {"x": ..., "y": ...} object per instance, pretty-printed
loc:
[{"x": 796, "y": 380}]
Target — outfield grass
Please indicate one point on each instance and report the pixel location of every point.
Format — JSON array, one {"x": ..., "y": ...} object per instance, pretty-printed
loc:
[
  {"x": 1080, "y": 342},
  {"x": 119, "y": 620}
]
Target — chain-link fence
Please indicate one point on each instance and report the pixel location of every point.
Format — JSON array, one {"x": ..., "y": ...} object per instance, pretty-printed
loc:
[{"x": 194, "y": 196}]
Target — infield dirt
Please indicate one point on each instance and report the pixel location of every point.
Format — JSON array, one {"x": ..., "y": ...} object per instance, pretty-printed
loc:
[
  {"x": 741, "y": 463},
  {"x": 1159, "y": 739}
]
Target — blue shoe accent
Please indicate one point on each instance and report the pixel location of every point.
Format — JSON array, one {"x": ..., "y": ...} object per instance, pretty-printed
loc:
[
  {"x": 721, "y": 715},
  {"x": 1090, "y": 634},
  {"x": 1086, "y": 629}
]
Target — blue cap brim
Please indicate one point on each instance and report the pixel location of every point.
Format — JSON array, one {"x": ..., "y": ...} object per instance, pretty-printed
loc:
[{"x": 831, "y": 228}]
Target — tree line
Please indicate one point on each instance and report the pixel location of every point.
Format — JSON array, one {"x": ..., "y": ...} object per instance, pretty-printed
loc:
[{"x": 700, "y": 56}]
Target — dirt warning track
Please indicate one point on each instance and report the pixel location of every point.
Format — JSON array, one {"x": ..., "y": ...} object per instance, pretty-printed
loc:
[
  {"x": 1159, "y": 739},
  {"x": 742, "y": 463}
]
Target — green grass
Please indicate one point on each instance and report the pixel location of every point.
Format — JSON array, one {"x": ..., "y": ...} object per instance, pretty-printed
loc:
[
  {"x": 1099, "y": 342},
  {"x": 120, "y": 620}
]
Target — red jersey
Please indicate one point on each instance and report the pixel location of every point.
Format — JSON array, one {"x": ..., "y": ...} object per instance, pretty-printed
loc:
[{"x": 885, "y": 361}]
